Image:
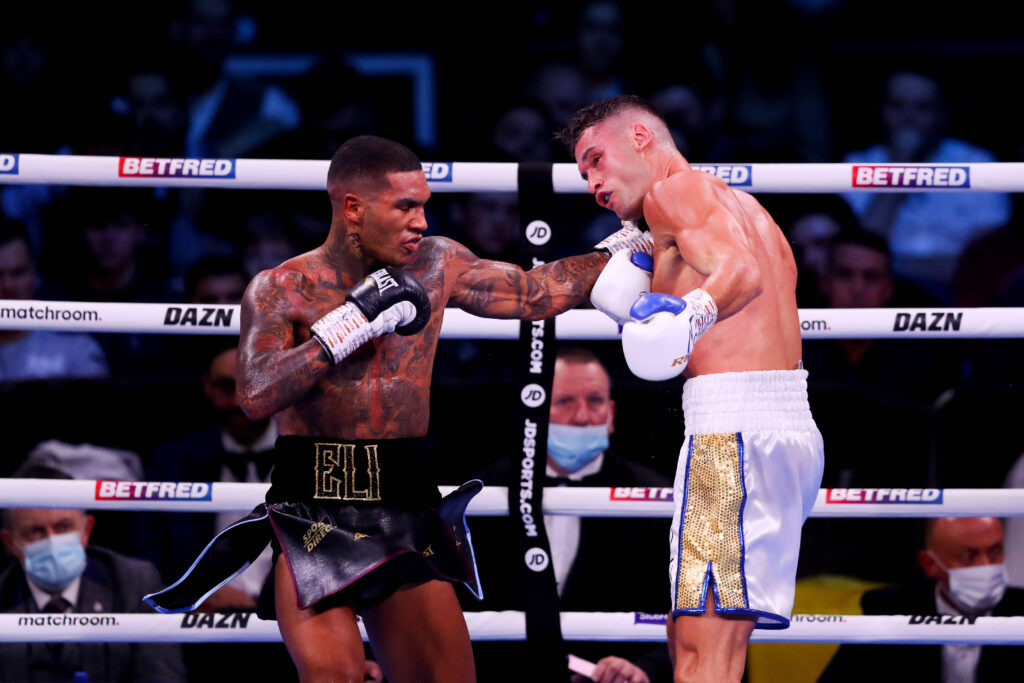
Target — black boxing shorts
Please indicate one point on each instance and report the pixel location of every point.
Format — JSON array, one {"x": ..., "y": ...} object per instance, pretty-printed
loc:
[{"x": 355, "y": 520}]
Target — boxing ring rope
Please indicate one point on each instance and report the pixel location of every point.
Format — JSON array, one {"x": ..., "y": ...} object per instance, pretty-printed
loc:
[
  {"x": 212, "y": 627},
  {"x": 583, "y": 501},
  {"x": 577, "y": 324},
  {"x": 459, "y": 176},
  {"x": 589, "y": 324}
]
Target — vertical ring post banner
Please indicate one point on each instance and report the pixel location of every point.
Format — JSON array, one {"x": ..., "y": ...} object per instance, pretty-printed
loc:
[{"x": 536, "y": 367}]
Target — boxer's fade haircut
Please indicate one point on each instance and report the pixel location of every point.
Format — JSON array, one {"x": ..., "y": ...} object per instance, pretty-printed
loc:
[
  {"x": 595, "y": 113},
  {"x": 369, "y": 157}
]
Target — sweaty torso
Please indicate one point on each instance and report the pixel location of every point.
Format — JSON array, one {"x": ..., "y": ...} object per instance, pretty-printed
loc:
[
  {"x": 382, "y": 390},
  {"x": 765, "y": 334}
]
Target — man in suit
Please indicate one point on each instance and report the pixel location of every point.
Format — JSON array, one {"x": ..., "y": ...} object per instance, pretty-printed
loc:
[
  {"x": 963, "y": 559},
  {"x": 232, "y": 449},
  {"x": 601, "y": 564},
  {"x": 57, "y": 571}
]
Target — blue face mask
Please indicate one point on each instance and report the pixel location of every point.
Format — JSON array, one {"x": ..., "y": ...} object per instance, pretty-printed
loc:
[
  {"x": 573, "y": 447},
  {"x": 55, "y": 561}
]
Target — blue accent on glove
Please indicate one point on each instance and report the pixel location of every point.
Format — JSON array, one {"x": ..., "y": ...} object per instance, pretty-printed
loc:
[
  {"x": 643, "y": 261},
  {"x": 656, "y": 302}
]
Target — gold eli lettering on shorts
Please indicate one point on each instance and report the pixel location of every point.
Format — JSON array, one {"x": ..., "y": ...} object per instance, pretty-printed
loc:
[
  {"x": 333, "y": 459},
  {"x": 315, "y": 534},
  {"x": 711, "y": 523}
]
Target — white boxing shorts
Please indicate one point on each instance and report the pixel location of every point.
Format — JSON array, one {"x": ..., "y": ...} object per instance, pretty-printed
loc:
[{"x": 747, "y": 478}]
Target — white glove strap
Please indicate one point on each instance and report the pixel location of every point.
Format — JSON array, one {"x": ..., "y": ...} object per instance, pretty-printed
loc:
[
  {"x": 629, "y": 238},
  {"x": 342, "y": 331},
  {"x": 704, "y": 311}
]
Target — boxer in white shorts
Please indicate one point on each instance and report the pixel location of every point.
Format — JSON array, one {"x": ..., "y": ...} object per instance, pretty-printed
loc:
[
  {"x": 752, "y": 462},
  {"x": 748, "y": 476}
]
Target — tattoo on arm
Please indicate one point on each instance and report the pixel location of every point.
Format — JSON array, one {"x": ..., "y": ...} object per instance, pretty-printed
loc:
[
  {"x": 502, "y": 290},
  {"x": 273, "y": 372}
]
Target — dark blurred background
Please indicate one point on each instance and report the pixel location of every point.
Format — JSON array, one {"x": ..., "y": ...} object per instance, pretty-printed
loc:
[{"x": 737, "y": 80}]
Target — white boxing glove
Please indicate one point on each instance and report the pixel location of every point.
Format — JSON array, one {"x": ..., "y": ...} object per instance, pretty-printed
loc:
[
  {"x": 629, "y": 238},
  {"x": 657, "y": 343},
  {"x": 625, "y": 278}
]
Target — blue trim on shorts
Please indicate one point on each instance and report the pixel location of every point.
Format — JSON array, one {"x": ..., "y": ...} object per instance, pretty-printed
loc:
[
  {"x": 682, "y": 522},
  {"x": 149, "y": 598},
  {"x": 479, "y": 593},
  {"x": 743, "y": 505}
]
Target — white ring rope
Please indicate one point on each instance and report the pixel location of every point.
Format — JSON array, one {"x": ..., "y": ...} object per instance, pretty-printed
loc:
[
  {"x": 579, "y": 324},
  {"x": 508, "y": 625},
  {"x": 493, "y": 500},
  {"x": 815, "y": 323},
  {"x": 460, "y": 176}
]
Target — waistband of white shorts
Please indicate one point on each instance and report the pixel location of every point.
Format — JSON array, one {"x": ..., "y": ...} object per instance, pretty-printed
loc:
[{"x": 747, "y": 401}]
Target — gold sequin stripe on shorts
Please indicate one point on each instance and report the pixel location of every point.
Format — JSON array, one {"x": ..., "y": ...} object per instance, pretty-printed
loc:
[{"x": 711, "y": 523}]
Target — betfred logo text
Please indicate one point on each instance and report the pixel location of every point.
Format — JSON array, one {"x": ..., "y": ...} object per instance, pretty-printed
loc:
[
  {"x": 732, "y": 174},
  {"x": 146, "y": 167},
  {"x": 930, "y": 496},
  {"x": 640, "y": 493},
  {"x": 153, "y": 490},
  {"x": 912, "y": 176},
  {"x": 9, "y": 164},
  {"x": 438, "y": 171}
]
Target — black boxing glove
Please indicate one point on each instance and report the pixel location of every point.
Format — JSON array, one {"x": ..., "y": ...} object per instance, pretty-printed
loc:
[{"x": 388, "y": 300}]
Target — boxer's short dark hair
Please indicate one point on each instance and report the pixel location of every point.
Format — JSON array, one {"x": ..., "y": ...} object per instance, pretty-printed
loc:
[
  {"x": 595, "y": 113},
  {"x": 369, "y": 157}
]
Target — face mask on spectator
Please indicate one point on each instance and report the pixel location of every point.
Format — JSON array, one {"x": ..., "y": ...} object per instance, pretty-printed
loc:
[
  {"x": 55, "y": 561},
  {"x": 976, "y": 588},
  {"x": 572, "y": 447}
]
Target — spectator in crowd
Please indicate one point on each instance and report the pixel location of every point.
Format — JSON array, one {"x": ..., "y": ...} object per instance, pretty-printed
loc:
[
  {"x": 966, "y": 578},
  {"x": 988, "y": 267},
  {"x": 600, "y": 44},
  {"x": 212, "y": 280},
  {"x": 890, "y": 384},
  {"x": 267, "y": 239},
  {"x": 115, "y": 257},
  {"x": 819, "y": 220},
  {"x": 82, "y": 460},
  {"x": 488, "y": 224},
  {"x": 156, "y": 113},
  {"x": 522, "y": 133},
  {"x": 232, "y": 449},
  {"x": 561, "y": 87},
  {"x": 216, "y": 280},
  {"x": 336, "y": 103},
  {"x": 777, "y": 100},
  {"x": 694, "y": 112},
  {"x": 926, "y": 231},
  {"x": 228, "y": 116},
  {"x": 57, "y": 571},
  {"x": 859, "y": 275},
  {"x": 579, "y": 454},
  {"x": 38, "y": 354},
  {"x": 115, "y": 253}
]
